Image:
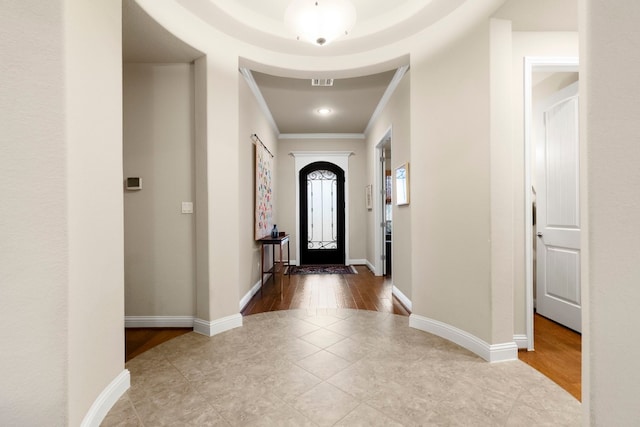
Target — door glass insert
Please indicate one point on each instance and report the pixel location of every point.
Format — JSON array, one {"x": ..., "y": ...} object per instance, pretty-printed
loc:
[{"x": 322, "y": 225}]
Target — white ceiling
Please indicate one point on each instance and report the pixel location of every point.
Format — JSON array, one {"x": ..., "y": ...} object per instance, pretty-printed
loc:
[
  {"x": 293, "y": 103},
  {"x": 144, "y": 40},
  {"x": 540, "y": 15},
  {"x": 274, "y": 9},
  {"x": 261, "y": 23}
]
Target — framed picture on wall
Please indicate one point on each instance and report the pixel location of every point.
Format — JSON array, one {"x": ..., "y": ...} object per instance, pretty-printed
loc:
[
  {"x": 402, "y": 184},
  {"x": 368, "y": 190}
]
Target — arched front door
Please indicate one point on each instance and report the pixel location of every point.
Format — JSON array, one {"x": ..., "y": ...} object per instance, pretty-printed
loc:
[{"x": 322, "y": 214}]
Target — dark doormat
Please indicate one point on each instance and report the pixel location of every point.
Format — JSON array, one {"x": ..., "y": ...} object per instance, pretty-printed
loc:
[{"x": 322, "y": 269}]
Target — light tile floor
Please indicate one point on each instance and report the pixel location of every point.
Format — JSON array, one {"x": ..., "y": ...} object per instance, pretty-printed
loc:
[{"x": 333, "y": 367}]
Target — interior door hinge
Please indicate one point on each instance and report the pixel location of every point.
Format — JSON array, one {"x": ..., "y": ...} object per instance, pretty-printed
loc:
[{"x": 383, "y": 257}]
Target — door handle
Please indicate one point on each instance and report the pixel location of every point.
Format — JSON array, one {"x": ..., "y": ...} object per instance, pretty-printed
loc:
[{"x": 539, "y": 234}]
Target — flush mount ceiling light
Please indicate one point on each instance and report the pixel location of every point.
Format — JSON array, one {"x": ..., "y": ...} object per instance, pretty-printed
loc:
[
  {"x": 324, "y": 111},
  {"x": 320, "y": 21}
]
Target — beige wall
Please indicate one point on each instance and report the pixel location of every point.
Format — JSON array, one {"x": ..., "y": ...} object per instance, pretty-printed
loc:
[
  {"x": 94, "y": 174},
  {"x": 252, "y": 121},
  {"x": 34, "y": 246},
  {"x": 159, "y": 148},
  {"x": 60, "y": 160},
  {"x": 219, "y": 145},
  {"x": 610, "y": 90},
  {"x": 396, "y": 115},
  {"x": 450, "y": 186},
  {"x": 286, "y": 188},
  {"x": 201, "y": 188},
  {"x": 501, "y": 186}
]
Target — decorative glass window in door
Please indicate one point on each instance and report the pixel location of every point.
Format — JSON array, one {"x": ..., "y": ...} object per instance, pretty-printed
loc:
[{"x": 322, "y": 217}]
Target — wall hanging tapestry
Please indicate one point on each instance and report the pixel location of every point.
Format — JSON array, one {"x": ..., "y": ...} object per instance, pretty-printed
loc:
[{"x": 264, "y": 190}]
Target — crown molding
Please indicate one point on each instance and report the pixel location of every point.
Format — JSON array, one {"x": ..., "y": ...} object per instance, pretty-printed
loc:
[
  {"x": 253, "y": 86},
  {"x": 386, "y": 97}
]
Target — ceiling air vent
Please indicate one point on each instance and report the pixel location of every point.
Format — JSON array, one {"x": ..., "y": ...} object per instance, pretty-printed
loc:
[{"x": 321, "y": 82}]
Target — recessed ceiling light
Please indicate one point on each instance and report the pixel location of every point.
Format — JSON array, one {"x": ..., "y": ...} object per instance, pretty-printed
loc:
[{"x": 324, "y": 111}]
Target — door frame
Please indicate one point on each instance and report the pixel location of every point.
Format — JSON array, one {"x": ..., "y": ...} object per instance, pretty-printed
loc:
[
  {"x": 531, "y": 65},
  {"x": 331, "y": 256},
  {"x": 339, "y": 158},
  {"x": 378, "y": 202}
]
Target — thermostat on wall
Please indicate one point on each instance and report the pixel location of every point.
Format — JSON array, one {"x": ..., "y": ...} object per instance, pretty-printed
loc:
[{"x": 134, "y": 183}]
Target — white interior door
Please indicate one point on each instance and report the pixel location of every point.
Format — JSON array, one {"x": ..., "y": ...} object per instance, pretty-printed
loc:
[{"x": 558, "y": 210}]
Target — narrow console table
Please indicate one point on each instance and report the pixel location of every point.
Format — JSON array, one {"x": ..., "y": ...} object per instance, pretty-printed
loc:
[{"x": 274, "y": 241}]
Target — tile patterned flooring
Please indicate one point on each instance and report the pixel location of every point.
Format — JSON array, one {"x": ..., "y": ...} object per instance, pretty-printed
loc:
[{"x": 333, "y": 367}]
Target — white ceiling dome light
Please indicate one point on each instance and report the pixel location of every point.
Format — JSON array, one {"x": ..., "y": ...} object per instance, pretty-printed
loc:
[{"x": 320, "y": 21}]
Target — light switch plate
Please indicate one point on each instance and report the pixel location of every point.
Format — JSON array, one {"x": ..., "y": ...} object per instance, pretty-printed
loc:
[{"x": 187, "y": 207}]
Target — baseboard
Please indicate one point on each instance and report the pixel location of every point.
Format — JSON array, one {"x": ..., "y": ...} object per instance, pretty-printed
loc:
[
  {"x": 105, "y": 401},
  {"x": 247, "y": 297},
  {"x": 357, "y": 262},
  {"x": 489, "y": 352},
  {"x": 218, "y": 326},
  {"x": 406, "y": 302},
  {"x": 201, "y": 326},
  {"x": 503, "y": 352},
  {"x": 521, "y": 341},
  {"x": 158, "y": 321},
  {"x": 370, "y": 267}
]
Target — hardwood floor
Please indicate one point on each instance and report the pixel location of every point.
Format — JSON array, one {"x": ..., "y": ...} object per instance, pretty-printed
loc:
[
  {"x": 558, "y": 354},
  {"x": 362, "y": 291},
  {"x": 139, "y": 340},
  {"x": 558, "y": 349}
]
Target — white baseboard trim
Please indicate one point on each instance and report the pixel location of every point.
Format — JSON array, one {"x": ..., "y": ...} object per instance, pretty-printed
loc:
[
  {"x": 371, "y": 267},
  {"x": 218, "y": 326},
  {"x": 406, "y": 302},
  {"x": 247, "y": 297},
  {"x": 293, "y": 262},
  {"x": 521, "y": 341},
  {"x": 489, "y": 352},
  {"x": 357, "y": 262},
  {"x": 105, "y": 401},
  {"x": 503, "y": 352},
  {"x": 158, "y": 321}
]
